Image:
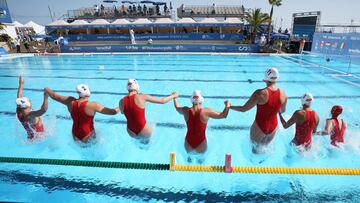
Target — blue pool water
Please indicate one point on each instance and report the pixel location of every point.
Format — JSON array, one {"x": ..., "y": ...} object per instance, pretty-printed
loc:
[{"x": 219, "y": 78}]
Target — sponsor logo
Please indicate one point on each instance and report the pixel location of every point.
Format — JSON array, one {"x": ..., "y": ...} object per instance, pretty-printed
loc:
[
  {"x": 104, "y": 48},
  {"x": 244, "y": 49},
  {"x": 131, "y": 47},
  {"x": 354, "y": 51}
]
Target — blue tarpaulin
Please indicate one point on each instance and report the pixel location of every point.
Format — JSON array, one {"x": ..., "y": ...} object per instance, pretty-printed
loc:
[{"x": 280, "y": 36}]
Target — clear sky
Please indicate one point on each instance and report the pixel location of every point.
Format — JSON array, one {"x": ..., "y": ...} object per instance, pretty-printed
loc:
[{"x": 333, "y": 11}]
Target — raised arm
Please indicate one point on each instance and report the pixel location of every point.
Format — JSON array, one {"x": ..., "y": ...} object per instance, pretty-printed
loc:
[
  {"x": 59, "y": 98},
  {"x": 43, "y": 108},
  {"x": 291, "y": 121},
  {"x": 179, "y": 108},
  {"x": 20, "y": 88},
  {"x": 161, "y": 100},
  {"x": 105, "y": 110},
  {"x": 219, "y": 115},
  {"x": 253, "y": 100}
]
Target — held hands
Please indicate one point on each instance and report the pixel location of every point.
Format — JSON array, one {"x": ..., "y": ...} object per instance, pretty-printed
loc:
[
  {"x": 117, "y": 109},
  {"x": 21, "y": 81},
  {"x": 175, "y": 95},
  {"x": 227, "y": 103}
]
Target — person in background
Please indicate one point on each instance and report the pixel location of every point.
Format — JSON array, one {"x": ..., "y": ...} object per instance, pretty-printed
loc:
[
  {"x": 196, "y": 119},
  {"x": 17, "y": 44},
  {"x": 306, "y": 121},
  {"x": 31, "y": 120},
  {"x": 82, "y": 112},
  {"x": 269, "y": 101},
  {"x": 27, "y": 46},
  {"x": 133, "y": 107},
  {"x": 335, "y": 126},
  {"x": 302, "y": 45}
]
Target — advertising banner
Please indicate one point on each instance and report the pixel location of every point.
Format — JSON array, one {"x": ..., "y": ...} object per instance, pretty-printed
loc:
[
  {"x": 336, "y": 43},
  {"x": 241, "y": 48}
]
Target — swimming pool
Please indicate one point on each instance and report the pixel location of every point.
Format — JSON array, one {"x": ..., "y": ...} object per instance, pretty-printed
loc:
[{"x": 219, "y": 78}]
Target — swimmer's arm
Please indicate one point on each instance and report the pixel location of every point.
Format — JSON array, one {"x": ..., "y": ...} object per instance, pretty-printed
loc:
[
  {"x": 21, "y": 86},
  {"x": 160, "y": 100},
  {"x": 283, "y": 106},
  {"x": 43, "y": 108},
  {"x": 179, "y": 108},
  {"x": 105, "y": 110},
  {"x": 121, "y": 106},
  {"x": 328, "y": 127},
  {"x": 316, "y": 123},
  {"x": 248, "y": 105},
  {"x": 219, "y": 115},
  {"x": 291, "y": 121},
  {"x": 59, "y": 98}
]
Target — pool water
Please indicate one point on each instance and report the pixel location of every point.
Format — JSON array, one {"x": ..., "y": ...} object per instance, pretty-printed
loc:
[{"x": 219, "y": 78}]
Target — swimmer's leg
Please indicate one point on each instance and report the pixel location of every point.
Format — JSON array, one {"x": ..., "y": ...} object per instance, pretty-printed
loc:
[{"x": 259, "y": 139}]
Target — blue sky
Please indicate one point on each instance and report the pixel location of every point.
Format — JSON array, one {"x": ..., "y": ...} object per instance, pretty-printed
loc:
[{"x": 333, "y": 11}]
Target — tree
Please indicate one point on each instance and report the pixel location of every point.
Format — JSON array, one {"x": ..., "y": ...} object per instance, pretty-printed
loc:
[
  {"x": 273, "y": 3},
  {"x": 255, "y": 18}
]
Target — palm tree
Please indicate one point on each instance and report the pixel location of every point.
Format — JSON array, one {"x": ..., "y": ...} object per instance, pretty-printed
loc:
[
  {"x": 272, "y": 3},
  {"x": 255, "y": 18}
]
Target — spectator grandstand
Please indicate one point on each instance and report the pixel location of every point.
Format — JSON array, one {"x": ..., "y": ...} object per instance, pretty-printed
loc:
[
  {"x": 140, "y": 10},
  {"x": 210, "y": 11}
]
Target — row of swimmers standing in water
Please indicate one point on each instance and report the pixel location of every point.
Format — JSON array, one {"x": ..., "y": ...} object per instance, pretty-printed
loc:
[{"x": 269, "y": 101}]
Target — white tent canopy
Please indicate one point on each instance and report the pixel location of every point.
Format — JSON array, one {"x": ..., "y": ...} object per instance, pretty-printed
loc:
[
  {"x": 164, "y": 21},
  {"x": 79, "y": 22},
  {"x": 232, "y": 20},
  {"x": 99, "y": 22},
  {"x": 121, "y": 22},
  {"x": 10, "y": 30},
  {"x": 17, "y": 24},
  {"x": 39, "y": 29},
  {"x": 186, "y": 20},
  {"x": 142, "y": 21},
  {"x": 209, "y": 20},
  {"x": 58, "y": 23}
]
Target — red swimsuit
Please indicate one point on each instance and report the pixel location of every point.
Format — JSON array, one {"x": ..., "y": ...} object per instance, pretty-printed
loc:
[
  {"x": 83, "y": 124},
  {"x": 30, "y": 128},
  {"x": 337, "y": 134},
  {"x": 304, "y": 131},
  {"x": 135, "y": 115},
  {"x": 266, "y": 114},
  {"x": 195, "y": 134}
]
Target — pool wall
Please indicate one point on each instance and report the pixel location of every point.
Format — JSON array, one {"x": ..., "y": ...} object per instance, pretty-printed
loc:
[{"x": 238, "y": 48}]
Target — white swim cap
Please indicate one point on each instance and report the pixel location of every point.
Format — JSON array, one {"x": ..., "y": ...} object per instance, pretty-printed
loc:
[
  {"x": 307, "y": 99},
  {"x": 196, "y": 97},
  {"x": 23, "y": 102},
  {"x": 271, "y": 75},
  {"x": 132, "y": 85},
  {"x": 83, "y": 90}
]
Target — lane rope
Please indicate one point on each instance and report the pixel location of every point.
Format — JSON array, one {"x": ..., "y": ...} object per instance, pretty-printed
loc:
[{"x": 172, "y": 166}]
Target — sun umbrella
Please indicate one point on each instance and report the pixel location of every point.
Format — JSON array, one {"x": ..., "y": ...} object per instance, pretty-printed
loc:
[
  {"x": 147, "y": 2},
  {"x": 110, "y": 1}
]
